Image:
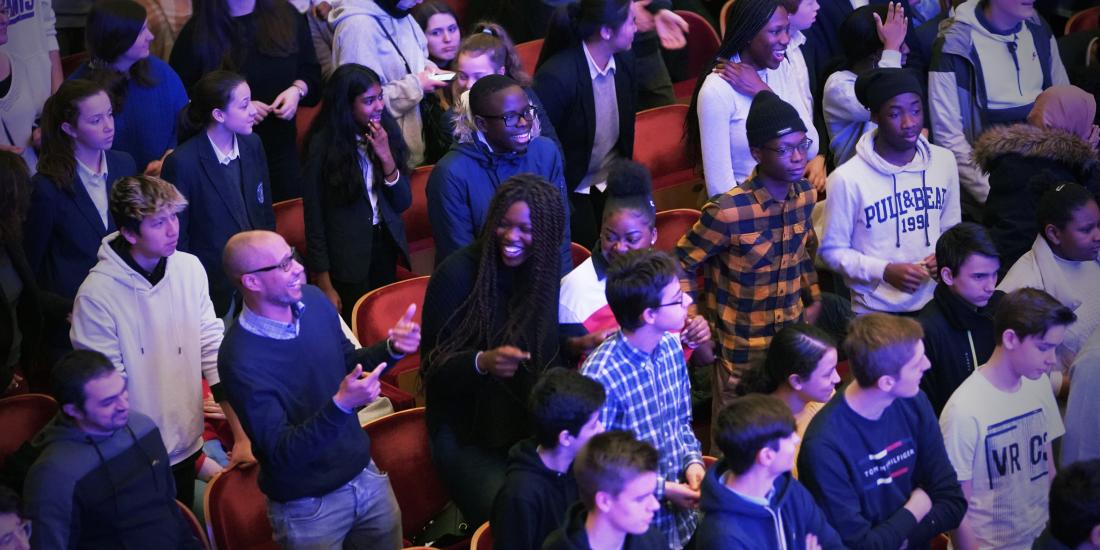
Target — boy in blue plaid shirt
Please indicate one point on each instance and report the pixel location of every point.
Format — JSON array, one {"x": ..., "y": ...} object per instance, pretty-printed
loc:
[{"x": 643, "y": 371}]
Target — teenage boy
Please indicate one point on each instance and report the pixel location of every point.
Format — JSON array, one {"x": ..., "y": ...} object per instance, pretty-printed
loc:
[
  {"x": 958, "y": 322},
  {"x": 616, "y": 477},
  {"x": 891, "y": 201},
  {"x": 873, "y": 457},
  {"x": 1074, "y": 509},
  {"x": 539, "y": 486},
  {"x": 103, "y": 479},
  {"x": 147, "y": 308},
  {"x": 750, "y": 498},
  {"x": 752, "y": 240},
  {"x": 1000, "y": 424},
  {"x": 992, "y": 59},
  {"x": 643, "y": 371}
]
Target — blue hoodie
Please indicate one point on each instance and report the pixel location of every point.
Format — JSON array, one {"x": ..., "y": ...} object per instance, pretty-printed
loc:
[
  {"x": 732, "y": 522},
  {"x": 463, "y": 183}
]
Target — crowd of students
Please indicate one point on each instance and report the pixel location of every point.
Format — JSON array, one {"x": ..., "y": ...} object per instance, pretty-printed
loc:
[{"x": 906, "y": 191}]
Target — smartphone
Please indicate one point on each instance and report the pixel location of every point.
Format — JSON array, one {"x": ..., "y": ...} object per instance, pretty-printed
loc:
[{"x": 444, "y": 76}]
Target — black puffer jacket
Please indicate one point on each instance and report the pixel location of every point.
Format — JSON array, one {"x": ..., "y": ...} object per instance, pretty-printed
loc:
[{"x": 1023, "y": 161}]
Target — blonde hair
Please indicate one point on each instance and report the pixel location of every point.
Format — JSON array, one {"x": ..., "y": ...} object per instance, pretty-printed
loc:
[{"x": 133, "y": 198}]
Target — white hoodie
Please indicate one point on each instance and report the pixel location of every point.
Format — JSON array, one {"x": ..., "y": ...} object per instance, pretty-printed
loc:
[
  {"x": 878, "y": 213},
  {"x": 163, "y": 338},
  {"x": 396, "y": 49}
]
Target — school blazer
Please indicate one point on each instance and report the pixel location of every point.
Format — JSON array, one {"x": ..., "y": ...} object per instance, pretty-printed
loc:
[
  {"x": 208, "y": 221},
  {"x": 339, "y": 234},
  {"x": 564, "y": 85},
  {"x": 63, "y": 229}
]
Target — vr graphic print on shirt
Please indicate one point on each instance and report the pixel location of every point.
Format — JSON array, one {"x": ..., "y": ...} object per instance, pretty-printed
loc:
[
  {"x": 1017, "y": 446},
  {"x": 895, "y": 460}
]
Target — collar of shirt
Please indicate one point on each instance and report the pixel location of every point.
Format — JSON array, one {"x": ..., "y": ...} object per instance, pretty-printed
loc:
[
  {"x": 764, "y": 197},
  {"x": 269, "y": 328},
  {"x": 225, "y": 159},
  {"x": 595, "y": 71},
  {"x": 87, "y": 174},
  {"x": 797, "y": 40}
]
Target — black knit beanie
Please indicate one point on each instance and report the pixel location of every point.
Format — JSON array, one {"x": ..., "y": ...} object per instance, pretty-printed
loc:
[
  {"x": 770, "y": 117},
  {"x": 744, "y": 20},
  {"x": 877, "y": 86}
]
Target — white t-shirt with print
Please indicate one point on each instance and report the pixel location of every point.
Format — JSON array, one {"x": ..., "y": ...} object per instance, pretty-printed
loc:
[{"x": 997, "y": 441}]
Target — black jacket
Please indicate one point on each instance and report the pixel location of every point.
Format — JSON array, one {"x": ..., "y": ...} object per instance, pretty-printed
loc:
[
  {"x": 339, "y": 234},
  {"x": 950, "y": 325},
  {"x": 28, "y": 314},
  {"x": 533, "y": 500},
  {"x": 564, "y": 85},
  {"x": 572, "y": 535},
  {"x": 1023, "y": 161},
  {"x": 209, "y": 219}
]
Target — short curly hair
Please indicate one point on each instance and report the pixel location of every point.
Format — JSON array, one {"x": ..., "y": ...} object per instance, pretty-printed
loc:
[{"x": 134, "y": 198}]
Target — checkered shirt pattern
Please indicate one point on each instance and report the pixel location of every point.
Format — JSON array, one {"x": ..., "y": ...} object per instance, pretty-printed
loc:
[
  {"x": 758, "y": 266},
  {"x": 649, "y": 396}
]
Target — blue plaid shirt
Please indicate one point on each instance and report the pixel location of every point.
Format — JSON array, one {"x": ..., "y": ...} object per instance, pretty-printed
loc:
[
  {"x": 269, "y": 328},
  {"x": 649, "y": 396}
]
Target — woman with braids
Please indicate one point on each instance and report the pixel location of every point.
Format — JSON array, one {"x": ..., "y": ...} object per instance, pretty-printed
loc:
[
  {"x": 488, "y": 50},
  {"x": 629, "y": 223},
  {"x": 20, "y": 307},
  {"x": 800, "y": 370},
  {"x": 267, "y": 42},
  {"x": 148, "y": 94},
  {"x": 489, "y": 330},
  {"x": 68, "y": 215},
  {"x": 356, "y": 186},
  {"x": 587, "y": 81}
]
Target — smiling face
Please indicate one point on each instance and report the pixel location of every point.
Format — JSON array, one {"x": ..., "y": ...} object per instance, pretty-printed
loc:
[
  {"x": 471, "y": 67},
  {"x": 276, "y": 286},
  {"x": 508, "y": 101},
  {"x": 367, "y": 107},
  {"x": 1079, "y": 240},
  {"x": 94, "y": 129},
  {"x": 769, "y": 47},
  {"x": 819, "y": 385},
  {"x": 900, "y": 120},
  {"x": 106, "y": 406},
  {"x": 237, "y": 114},
  {"x": 625, "y": 230},
  {"x": 443, "y": 36},
  {"x": 514, "y": 235}
]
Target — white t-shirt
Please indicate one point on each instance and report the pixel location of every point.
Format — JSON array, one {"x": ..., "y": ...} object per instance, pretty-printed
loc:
[{"x": 997, "y": 441}]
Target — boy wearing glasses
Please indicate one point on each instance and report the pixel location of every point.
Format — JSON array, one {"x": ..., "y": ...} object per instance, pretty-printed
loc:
[
  {"x": 497, "y": 138},
  {"x": 753, "y": 240},
  {"x": 642, "y": 370},
  {"x": 890, "y": 202},
  {"x": 147, "y": 307}
]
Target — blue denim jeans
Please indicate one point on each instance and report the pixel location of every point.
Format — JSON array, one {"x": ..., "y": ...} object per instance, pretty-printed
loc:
[{"x": 363, "y": 514}]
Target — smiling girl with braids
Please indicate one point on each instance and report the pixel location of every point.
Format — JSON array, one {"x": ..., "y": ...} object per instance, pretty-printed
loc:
[{"x": 490, "y": 328}]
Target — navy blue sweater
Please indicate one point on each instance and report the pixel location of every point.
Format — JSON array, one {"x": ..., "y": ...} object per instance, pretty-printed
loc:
[
  {"x": 731, "y": 522},
  {"x": 282, "y": 392},
  {"x": 532, "y": 502},
  {"x": 861, "y": 472}
]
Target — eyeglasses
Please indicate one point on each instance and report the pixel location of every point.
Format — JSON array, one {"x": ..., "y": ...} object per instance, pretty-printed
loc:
[
  {"x": 283, "y": 265},
  {"x": 786, "y": 150},
  {"x": 511, "y": 119},
  {"x": 21, "y": 533},
  {"x": 677, "y": 301}
]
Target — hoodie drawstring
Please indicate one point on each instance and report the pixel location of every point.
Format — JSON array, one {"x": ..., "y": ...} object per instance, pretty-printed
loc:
[
  {"x": 897, "y": 218},
  {"x": 1015, "y": 61},
  {"x": 923, "y": 192}
]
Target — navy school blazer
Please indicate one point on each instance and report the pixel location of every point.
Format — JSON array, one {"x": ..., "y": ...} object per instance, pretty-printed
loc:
[
  {"x": 209, "y": 221},
  {"x": 63, "y": 231},
  {"x": 564, "y": 85}
]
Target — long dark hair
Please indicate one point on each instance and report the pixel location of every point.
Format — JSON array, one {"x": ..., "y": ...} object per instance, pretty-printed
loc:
[
  {"x": 212, "y": 91},
  {"x": 743, "y": 22},
  {"x": 533, "y": 301},
  {"x": 113, "y": 27},
  {"x": 219, "y": 41},
  {"x": 15, "y": 196},
  {"x": 574, "y": 22},
  {"x": 796, "y": 349},
  {"x": 340, "y": 171},
  {"x": 58, "y": 159}
]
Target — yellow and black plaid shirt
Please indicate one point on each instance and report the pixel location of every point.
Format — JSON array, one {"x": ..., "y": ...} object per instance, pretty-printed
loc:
[{"x": 757, "y": 263}]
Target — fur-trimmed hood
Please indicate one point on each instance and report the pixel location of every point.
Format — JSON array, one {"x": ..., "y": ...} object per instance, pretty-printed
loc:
[{"x": 1034, "y": 142}]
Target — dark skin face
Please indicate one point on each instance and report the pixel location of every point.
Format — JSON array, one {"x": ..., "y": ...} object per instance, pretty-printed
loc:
[
  {"x": 779, "y": 170},
  {"x": 768, "y": 48},
  {"x": 899, "y": 124},
  {"x": 501, "y": 137}
]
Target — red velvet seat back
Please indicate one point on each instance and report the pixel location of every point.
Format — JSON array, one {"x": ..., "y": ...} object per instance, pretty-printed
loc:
[
  {"x": 380, "y": 309},
  {"x": 21, "y": 417},
  {"x": 672, "y": 225},
  {"x": 236, "y": 511}
]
